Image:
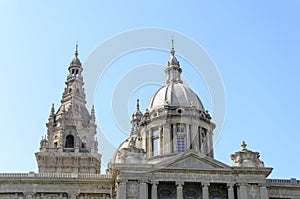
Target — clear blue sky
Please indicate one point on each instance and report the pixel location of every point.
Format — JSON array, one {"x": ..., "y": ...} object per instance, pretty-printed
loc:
[{"x": 254, "y": 45}]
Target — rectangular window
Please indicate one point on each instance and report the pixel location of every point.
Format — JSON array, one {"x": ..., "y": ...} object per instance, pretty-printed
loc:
[
  {"x": 156, "y": 147},
  {"x": 155, "y": 143},
  {"x": 181, "y": 144}
]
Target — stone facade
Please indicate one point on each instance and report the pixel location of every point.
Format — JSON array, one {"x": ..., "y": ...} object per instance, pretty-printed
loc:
[{"x": 168, "y": 155}]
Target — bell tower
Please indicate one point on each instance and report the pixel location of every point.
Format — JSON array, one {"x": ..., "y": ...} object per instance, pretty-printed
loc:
[{"x": 70, "y": 145}]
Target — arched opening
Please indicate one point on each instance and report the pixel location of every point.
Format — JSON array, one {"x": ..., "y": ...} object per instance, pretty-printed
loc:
[{"x": 69, "y": 141}]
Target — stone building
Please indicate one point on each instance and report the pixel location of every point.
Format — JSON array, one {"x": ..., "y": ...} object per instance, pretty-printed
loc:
[{"x": 168, "y": 155}]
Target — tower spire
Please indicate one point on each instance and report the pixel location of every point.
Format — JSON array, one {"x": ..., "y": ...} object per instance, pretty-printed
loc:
[
  {"x": 136, "y": 119},
  {"x": 52, "y": 110},
  {"x": 173, "y": 69},
  {"x": 172, "y": 47},
  {"x": 93, "y": 117},
  {"x": 137, "y": 104},
  {"x": 76, "y": 51}
]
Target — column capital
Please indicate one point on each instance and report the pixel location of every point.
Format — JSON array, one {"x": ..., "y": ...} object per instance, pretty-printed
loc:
[
  {"x": 262, "y": 185},
  {"x": 142, "y": 181},
  {"x": 73, "y": 195},
  {"x": 167, "y": 126},
  {"x": 179, "y": 183},
  {"x": 242, "y": 184},
  {"x": 29, "y": 195},
  {"x": 205, "y": 184},
  {"x": 154, "y": 183},
  {"x": 230, "y": 185},
  {"x": 121, "y": 182}
]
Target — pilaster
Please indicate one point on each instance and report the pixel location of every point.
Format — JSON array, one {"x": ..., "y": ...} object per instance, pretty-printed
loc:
[
  {"x": 230, "y": 191},
  {"x": 121, "y": 193},
  {"x": 154, "y": 190},
  {"x": 174, "y": 139},
  {"x": 143, "y": 190},
  {"x": 263, "y": 192},
  {"x": 166, "y": 139},
  {"x": 242, "y": 191},
  {"x": 179, "y": 190},
  {"x": 205, "y": 191}
]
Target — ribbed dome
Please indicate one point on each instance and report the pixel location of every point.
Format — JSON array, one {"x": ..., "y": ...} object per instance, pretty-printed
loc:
[{"x": 175, "y": 94}]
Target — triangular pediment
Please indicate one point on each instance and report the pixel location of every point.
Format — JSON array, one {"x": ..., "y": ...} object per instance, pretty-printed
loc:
[{"x": 194, "y": 161}]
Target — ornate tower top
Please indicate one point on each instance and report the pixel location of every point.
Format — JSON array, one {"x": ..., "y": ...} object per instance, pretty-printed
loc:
[
  {"x": 173, "y": 69},
  {"x": 70, "y": 144},
  {"x": 75, "y": 62},
  {"x": 136, "y": 119},
  {"x": 74, "y": 92}
]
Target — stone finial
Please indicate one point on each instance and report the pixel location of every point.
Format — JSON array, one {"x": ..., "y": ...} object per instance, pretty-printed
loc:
[
  {"x": 244, "y": 145},
  {"x": 172, "y": 48},
  {"x": 52, "y": 110},
  {"x": 246, "y": 158},
  {"x": 76, "y": 51},
  {"x": 93, "y": 116},
  {"x": 137, "y": 104}
]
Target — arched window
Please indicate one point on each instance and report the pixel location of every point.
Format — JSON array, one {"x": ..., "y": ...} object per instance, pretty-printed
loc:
[{"x": 69, "y": 141}]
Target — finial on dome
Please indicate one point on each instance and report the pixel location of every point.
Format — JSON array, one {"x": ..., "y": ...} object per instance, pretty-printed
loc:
[
  {"x": 137, "y": 104},
  {"x": 76, "y": 51},
  {"x": 93, "y": 116},
  {"x": 52, "y": 110},
  {"x": 172, "y": 47},
  {"x": 244, "y": 145}
]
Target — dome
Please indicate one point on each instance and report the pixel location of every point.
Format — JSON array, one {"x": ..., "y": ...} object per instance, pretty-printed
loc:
[
  {"x": 75, "y": 61},
  {"x": 129, "y": 151},
  {"x": 175, "y": 94}
]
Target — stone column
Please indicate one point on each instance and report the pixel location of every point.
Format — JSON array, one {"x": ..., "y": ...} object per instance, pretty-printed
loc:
[
  {"x": 188, "y": 136},
  {"x": 154, "y": 190},
  {"x": 210, "y": 144},
  {"x": 195, "y": 138},
  {"x": 149, "y": 139},
  {"x": 121, "y": 194},
  {"x": 230, "y": 191},
  {"x": 199, "y": 139},
  {"x": 174, "y": 139},
  {"x": 161, "y": 141},
  {"x": 167, "y": 139},
  {"x": 242, "y": 191},
  {"x": 205, "y": 192},
  {"x": 143, "y": 190},
  {"x": 263, "y": 192},
  {"x": 179, "y": 190}
]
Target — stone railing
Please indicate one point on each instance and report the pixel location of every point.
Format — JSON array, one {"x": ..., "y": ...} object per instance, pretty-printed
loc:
[
  {"x": 283, "y": 181},
  {"x": 53, "y": 175}
]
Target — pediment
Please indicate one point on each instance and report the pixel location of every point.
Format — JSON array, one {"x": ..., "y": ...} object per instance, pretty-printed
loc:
[{"x": 194, "y": 161}]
